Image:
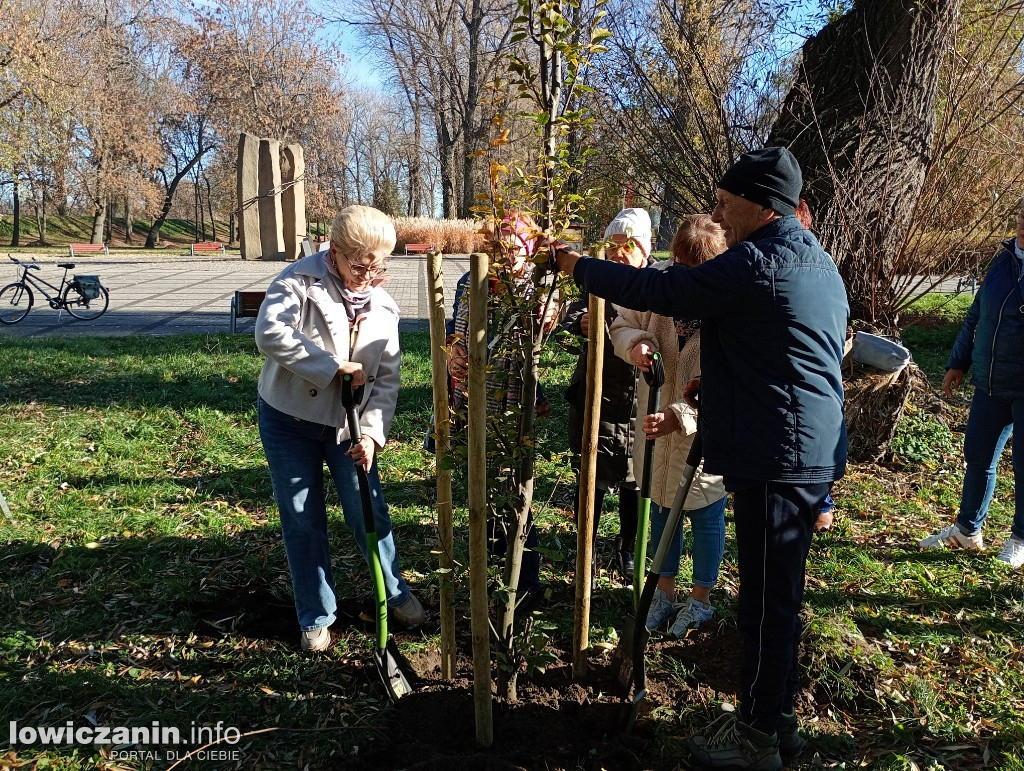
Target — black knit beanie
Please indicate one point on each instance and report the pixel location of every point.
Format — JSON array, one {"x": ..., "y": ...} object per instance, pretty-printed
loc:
[{"x": 769, "y": 177}]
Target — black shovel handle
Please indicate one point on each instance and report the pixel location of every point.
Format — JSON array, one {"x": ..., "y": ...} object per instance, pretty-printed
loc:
[
  {"x": 655, "y": 374},
  {"x": 356, "y": 434},
  {"x": 640, "y": 633},
  {"x": 655, "y": 379}
]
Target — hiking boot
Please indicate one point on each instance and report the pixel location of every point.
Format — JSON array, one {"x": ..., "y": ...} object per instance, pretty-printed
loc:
[
  {"x": 692, "y": 615},
  {"x": 1012, "y": 553},
  {"x": 951, "y": 538},
  {"x": 626, "y": 566},
  {"x": 791, "y": 743},
  {"x": 410, "y": 612},
  {"x": 730, "y": 743},
  {"x": 662, "y": 609},
  {"x": 316, "y": 640}
]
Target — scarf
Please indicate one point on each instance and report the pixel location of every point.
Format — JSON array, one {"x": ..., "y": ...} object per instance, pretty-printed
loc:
[{"x": 357, "y": 304}]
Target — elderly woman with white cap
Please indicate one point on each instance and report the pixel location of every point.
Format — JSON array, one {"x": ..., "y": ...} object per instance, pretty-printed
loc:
[{"x": 629, "y": 243}]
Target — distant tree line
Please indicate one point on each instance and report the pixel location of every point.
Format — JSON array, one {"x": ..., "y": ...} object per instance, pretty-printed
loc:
[{"x": 905, "y": 116}]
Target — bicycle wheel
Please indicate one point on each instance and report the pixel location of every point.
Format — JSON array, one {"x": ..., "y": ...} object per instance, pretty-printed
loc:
[
  {"x": 82, "y": 307},
  {"x": 15, "y": 303}
]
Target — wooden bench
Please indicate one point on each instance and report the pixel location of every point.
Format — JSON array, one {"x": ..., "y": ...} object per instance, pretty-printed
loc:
[
  {"x": 245, "y": 305},
  {"x": 418, "y": 248},
  {"x": 74, "y": 249},
  {"x": 207, "y": 246}
]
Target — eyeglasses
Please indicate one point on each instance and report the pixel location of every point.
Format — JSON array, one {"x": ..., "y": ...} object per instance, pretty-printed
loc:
[
  {"x": 363, "y": 271},
  {"x": 616, "y": 246}
]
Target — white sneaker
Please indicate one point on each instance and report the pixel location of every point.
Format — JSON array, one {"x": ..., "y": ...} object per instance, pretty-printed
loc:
[
  {"x": 1012, "y": 553},
  {"x": 693, "y": 614},
  {"x": 951, "y": 538},
  {"x": 316, "y": 640},
  {"x": 662, "y": 609}
]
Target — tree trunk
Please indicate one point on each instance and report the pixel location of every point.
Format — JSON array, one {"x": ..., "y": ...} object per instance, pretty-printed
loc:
[
  {"x": 209, "y": 206},
  {"x": 447, "y": 156},
  {"x": 16, "y": 196},
  {"x": 60, "y": 191},
  {"x": 860, "y": 120},
  {"x": 41, "y": 218},
  {"x": 99, "y": 220},
  {"x": 669, "y": 219},
  {"x": 129, "y": 229},
  {"x": 197, "y": 212},
  {"x": 171, "y": 188},
  {"x": 416, "y": 162},
  {"x": 231, "y": 228}
]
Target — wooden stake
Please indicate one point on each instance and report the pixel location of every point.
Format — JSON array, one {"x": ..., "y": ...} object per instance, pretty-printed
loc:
[
  {"x": 588, "y": 481},
  {"x": 439, "y": 373},
  {"x": 476, "y": 344}
]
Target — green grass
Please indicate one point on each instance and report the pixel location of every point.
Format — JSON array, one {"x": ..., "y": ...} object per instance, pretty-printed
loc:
[
  {"x": 73, "y": 229},
  {"x": 930, "y": 327},
  {"x": 144, "y": 578}
]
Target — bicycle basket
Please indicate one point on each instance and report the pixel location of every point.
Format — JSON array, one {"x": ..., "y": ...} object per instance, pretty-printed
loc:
[{"x": 89, "y": 286}]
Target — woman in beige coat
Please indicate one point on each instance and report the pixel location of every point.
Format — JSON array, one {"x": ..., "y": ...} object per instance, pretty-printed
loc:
[
  {"x": 636, "y": 336},
  {"x": 326, "y": 316}
]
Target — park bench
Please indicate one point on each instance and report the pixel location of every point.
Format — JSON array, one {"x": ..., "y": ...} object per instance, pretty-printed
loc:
[
  {"x": 207, "y": 246},
  {"x": 245, "y": 305},
  {"x": 76, "y": 249},
  {"x": 418, "y": 248}
]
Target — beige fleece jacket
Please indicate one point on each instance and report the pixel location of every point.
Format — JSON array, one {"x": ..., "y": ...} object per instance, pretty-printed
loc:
[
  {"x": 303, "y": 330},
  {"x": 627, "y": 330}
]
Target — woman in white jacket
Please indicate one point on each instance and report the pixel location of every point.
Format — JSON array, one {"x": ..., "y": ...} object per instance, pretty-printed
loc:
[
  {"x": 636, "y": 336},
  {"x": 325, "y": 316}
]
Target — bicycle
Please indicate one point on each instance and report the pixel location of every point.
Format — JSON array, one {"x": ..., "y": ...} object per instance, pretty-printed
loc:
[{"x": 83, "y": 297}]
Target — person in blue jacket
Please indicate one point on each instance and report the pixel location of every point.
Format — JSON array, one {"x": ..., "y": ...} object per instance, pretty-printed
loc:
[
  {"x": 773, "y": 313},
  {"x": 992, "y": 341}
]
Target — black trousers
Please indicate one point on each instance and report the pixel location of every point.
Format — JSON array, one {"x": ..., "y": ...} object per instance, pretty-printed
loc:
[
  {"x": 629, "y": 514},
  {"x": 774, "y": 524}
]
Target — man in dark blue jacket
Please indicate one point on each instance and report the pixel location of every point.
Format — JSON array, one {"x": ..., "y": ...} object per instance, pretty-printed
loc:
[{"x": 774, "y": 313}]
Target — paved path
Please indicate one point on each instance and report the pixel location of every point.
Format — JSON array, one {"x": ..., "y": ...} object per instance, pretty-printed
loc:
[{"x": 159, "y": 294}]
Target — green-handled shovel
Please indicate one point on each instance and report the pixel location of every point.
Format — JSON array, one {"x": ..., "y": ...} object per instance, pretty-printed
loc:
[
  {"x": 385, "y": 654},
  {"x": 622, "y": 659},
  {"x": 655, "y": 377},
  {"x": 635, "y": 680}
]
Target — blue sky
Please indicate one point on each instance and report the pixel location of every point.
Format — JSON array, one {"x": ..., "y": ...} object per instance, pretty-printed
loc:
[{"x": 363, "y": 68}]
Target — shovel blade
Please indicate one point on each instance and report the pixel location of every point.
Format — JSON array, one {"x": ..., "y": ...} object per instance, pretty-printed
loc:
[
  {"x": 395, "y": 682},
  {"x": 632, "y": 710}
]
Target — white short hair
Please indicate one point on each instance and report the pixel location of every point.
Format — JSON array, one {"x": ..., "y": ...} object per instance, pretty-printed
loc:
[{"x": 359, "y": 230}]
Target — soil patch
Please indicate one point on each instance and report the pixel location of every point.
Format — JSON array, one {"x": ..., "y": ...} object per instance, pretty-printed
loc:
[{"x": 556, "y": 723}]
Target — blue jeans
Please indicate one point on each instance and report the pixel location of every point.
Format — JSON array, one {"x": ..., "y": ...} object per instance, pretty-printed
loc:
[
  {"x": 296, "y": 452},
  {"x": 989, "y": 425},
  {"x": 708, "y": 526}
]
